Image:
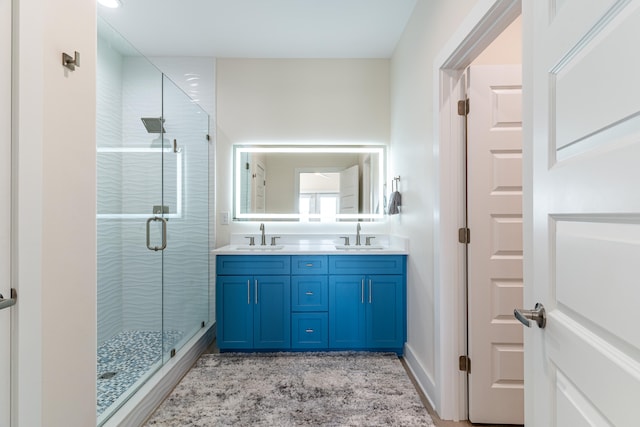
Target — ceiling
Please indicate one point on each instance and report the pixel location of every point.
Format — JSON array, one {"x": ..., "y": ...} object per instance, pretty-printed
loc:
[{"x": 262, "y": 28}]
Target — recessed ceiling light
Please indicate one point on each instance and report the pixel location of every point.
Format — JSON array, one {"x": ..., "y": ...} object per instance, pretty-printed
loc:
[{"x": 110, "y": 3}]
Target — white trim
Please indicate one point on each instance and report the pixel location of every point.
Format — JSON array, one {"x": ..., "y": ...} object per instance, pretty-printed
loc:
[
  {"x": 27, "y": 113},
  {"x": 486, "y": 20},
  {"x": 424, "y": 380},
  {"x": 142, "y": 404}
]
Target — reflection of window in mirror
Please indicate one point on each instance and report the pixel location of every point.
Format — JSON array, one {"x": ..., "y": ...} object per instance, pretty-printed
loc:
[{"x": 319, "y": 193}]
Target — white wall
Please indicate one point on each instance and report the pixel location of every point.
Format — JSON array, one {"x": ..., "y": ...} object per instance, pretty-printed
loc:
[
  {"x": 296, "y": 100},
  {"x": 54, "y": 254},
  {"x": 414, "y": 158}
]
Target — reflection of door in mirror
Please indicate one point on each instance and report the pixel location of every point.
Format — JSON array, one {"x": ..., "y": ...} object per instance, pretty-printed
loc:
[
  {"x": 367, "y": 203},
  {"x": 349, "y": 191},
  {"x": 258, "y": 187},
  {"x": 253, "y": 183}
]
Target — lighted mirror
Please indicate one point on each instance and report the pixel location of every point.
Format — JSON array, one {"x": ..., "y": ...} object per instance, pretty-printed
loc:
[{"x": 305, "y": 183}]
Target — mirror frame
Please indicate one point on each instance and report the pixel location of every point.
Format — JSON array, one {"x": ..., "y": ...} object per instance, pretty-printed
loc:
[{"x": 239, "y": 149}]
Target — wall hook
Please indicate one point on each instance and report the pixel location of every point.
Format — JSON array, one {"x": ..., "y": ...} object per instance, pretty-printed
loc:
[
  {"x": 395, "y": 181},
  {"x": 69, "y": 62}
]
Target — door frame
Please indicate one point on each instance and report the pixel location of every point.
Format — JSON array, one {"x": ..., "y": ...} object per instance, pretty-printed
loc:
[
  {"x": 7, "y": 314},
  {"x": 479, "y": 29}
]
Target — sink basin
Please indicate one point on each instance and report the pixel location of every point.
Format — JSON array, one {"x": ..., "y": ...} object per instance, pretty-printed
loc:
[
  {"x": 259, "y": 248},
  {"x": 359, "y": 248}
]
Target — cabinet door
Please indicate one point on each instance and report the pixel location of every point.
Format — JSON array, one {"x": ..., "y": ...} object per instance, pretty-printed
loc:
[
  {"x": 346, "y": 312},
  {"x": 272, "y": 312},
  {"x": 385, "y": 311},
  {"x": 234, "y": 308}
]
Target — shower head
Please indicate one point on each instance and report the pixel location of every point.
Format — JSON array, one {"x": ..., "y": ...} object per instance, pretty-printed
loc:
[{"x": 153, "y": 124}]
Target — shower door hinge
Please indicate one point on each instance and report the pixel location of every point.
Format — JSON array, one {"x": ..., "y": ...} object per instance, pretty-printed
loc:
[
  {"x": 173, "y": 352},
  {"x": 464, "y": 235},
  {"x": 465, "y": 364},
  {"x": 463, "y": 107}
]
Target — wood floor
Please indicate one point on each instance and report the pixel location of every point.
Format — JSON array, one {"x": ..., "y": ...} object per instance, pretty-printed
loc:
[{"x": 438, "y": 422}]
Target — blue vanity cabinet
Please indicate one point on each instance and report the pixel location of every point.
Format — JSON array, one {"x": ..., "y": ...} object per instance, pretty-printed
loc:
[
  {"x": 347, "y": 326},
  {"x": 309, "y": 302},
  {"x": 253, "y": 309},
  {"x": 234, "y": 312},
  {"x": 367, "y": 304}
]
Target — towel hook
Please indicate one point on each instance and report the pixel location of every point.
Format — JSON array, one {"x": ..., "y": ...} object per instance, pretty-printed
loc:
[
  {"x": 71, "y": 62},
  {"x": 395, "y": 181}
]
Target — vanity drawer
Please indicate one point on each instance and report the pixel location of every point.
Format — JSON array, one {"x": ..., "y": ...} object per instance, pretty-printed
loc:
[
  {"x": 252, "y": 264},
  {"x": 309, "y": 293},
  {"x": 309, "y": 331},
  {"x": 312, "y": 264},
  {"x": 367, "y": 264}
]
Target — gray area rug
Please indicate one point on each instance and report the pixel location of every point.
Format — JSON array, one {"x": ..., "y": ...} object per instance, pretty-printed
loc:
[{"x": 294, "y": 389}]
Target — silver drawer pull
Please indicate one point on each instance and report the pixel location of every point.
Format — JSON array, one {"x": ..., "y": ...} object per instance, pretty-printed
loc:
[
  {"x": 309, "y": 331},
  {"x": 309, "y": 265},
  {"x": 308, "y": 293}
]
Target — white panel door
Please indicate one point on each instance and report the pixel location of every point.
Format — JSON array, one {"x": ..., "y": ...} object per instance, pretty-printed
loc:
[
  {"x": 5, "y": 210},
  {"x": 494, "y": 209},
  {"x": 583, "y": 368},
  {"x": 349, "y": 194}
]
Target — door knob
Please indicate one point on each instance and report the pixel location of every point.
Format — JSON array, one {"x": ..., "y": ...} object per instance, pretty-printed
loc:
[
  {"x": 538, "y": 315},
  {"x": 8, "y": 302}
]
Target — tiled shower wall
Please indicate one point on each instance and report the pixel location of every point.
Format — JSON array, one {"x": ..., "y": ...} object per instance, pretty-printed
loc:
[{"x": 139, "y": 289}]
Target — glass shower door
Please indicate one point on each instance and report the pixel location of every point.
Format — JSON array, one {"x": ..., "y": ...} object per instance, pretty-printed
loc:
[
  {"x": 129, "y": 225},
  {"x": 185, "y": 194}
]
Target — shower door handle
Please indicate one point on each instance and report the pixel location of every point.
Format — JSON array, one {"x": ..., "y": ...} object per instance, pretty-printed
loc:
[{"x": 164, "y": 234}]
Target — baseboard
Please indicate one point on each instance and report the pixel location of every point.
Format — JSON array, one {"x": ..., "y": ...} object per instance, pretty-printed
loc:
[
  {"x": 142, "y": 404},
  {"x": 422, "y": 377}
]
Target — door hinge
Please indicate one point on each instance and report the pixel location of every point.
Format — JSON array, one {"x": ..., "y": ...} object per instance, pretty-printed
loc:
[
  {"x": 465, "y": 364},
  {"x": 464, "y": 235},
  {"x": 463, "y": 107}
]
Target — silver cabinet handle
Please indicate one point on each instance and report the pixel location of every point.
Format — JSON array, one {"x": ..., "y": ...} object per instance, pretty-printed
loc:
[
  {"x": 248, "y": 292},
  {"x": 309, "y": 331},
  {"x": 8, "y": 302},
  {"x": 308, "y": 293},
  {"x": 309, "y": 265},
  {"x": 370, "y": 286},
  {"x": 362, "y": 291},
  {"x": 538, "y": 315},
  {"x": 164, "y": 234},
  {"x": 256, "y": 288}
]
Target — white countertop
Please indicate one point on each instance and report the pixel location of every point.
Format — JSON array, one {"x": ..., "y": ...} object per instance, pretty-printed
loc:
[
  {"x": 305, "y": 245},
  {"x": 307, "y": 249}
]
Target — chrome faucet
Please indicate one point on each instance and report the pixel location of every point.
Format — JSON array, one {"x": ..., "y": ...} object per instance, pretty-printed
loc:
[
  {"x": 358, "y": 235},
  {"x": 263, "y": 241}
]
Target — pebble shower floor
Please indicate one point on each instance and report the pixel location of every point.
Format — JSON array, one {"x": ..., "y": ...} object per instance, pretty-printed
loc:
[{"x": 127, "y": 357}]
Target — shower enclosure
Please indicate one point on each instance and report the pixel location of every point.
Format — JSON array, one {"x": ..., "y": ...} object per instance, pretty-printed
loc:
[{"x": 152, "y": 220}]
